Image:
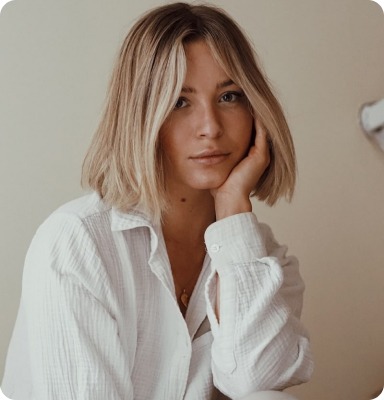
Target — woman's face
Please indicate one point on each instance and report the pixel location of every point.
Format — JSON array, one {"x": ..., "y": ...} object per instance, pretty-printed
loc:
[{"x": 209, "y": 130}]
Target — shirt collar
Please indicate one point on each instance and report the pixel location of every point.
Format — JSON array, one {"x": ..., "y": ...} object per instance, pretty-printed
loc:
[{"x": 121, "y": 221}]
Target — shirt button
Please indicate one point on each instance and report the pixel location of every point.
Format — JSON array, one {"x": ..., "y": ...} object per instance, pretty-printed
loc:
[{"x": 215, "y": 248}]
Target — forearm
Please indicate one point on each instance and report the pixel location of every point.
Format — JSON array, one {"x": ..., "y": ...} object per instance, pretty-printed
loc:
[
  {"x": 259, "y": 340},
  {"x": 226, "y": 206}
]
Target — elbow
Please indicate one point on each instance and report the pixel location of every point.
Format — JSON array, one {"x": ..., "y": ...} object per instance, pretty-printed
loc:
[{"x": 272, "y": 371}]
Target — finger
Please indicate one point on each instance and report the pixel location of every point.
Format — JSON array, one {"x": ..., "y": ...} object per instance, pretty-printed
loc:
[
  {"x": 261, "y": 141},
  {"x": 261, "y": 136}
]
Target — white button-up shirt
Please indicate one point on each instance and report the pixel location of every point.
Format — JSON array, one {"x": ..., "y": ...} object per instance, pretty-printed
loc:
[{"x": 99, "y": 320}]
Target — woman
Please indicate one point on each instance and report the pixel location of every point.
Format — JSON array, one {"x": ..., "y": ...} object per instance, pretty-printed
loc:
[{"x": 162, "y": 284}]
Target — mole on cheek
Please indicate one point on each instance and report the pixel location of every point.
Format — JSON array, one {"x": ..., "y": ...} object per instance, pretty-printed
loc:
[{"x": 183, "y": 200}]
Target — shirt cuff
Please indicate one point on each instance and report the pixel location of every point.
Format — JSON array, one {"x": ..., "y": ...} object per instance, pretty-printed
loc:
[{"x": 235, "y": 240}]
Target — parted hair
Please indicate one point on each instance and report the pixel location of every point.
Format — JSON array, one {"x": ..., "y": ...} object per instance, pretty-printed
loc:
[{"x": 124, "y": 163}]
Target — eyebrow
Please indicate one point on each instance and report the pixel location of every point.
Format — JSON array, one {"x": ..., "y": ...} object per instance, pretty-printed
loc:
[{"x": 220, "y": 85}]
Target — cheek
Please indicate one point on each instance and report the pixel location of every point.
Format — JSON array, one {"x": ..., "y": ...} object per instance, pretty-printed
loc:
[
  {"x": 171, "y": 146},
  {"x": 166, "y": 139},
  {"x": 245, "y": 129},
  {"x": 172, "y": 137}
]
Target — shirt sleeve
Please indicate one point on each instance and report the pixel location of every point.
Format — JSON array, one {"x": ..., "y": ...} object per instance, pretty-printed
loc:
[
  {"x": 73, "y": 346},
  {"x": 260, "y": 343}
]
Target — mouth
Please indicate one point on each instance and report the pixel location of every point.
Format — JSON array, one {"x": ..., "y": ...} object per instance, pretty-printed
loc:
[{"x": 208, "y": 157}]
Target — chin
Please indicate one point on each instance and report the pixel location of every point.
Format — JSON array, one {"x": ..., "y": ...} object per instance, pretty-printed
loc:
[{"x": 208, "y": 183}]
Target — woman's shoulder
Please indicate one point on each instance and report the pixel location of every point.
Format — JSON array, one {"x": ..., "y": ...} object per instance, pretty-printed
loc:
[
  {"x": 83, "y": 207},
  {"x": 67, "y": 251},
  {"x": 76, "y": 215},
  {"x": 72, "y": 230}
]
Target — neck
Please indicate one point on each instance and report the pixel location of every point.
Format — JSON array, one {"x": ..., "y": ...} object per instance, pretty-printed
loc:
[
  {"x": 188, "y": 216},
  {"x": 184, "y": 224}
]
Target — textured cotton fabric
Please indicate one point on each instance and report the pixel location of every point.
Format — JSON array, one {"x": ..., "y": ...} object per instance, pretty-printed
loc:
[{"x": 99, "y": 320}]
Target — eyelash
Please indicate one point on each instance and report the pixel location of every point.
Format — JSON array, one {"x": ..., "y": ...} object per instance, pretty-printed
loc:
[
  {"x": 178, "y": 100},
  {"x": 237, "y": 95}
]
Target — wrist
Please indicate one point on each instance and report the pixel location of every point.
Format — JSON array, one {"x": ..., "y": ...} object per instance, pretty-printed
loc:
[{"x": 225, "y": 206}]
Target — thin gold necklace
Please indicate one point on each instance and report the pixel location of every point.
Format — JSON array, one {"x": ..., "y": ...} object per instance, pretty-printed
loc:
[{"x": 184, "y": 296}]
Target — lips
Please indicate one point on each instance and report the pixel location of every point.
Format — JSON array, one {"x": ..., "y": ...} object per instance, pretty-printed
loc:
[{"x": 210, "y": 157}]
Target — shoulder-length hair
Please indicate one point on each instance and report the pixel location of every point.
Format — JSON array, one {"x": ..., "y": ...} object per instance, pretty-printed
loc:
[{"x": 124, "y": 163}]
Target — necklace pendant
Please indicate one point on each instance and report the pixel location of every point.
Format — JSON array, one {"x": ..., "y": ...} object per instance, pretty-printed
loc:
[{"x": 184, "y": 298}]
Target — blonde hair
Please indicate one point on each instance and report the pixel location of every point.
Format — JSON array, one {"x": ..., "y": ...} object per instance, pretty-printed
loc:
[{"x": 124, "y": 163}]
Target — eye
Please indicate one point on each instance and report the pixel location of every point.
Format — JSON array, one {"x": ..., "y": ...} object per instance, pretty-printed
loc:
[
  {"x": 231, "y": 97},
  {"x": 180, "y": 103}
]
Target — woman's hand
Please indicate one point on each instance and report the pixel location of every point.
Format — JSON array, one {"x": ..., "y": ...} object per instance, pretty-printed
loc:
[{"x": 232, "y": 197}]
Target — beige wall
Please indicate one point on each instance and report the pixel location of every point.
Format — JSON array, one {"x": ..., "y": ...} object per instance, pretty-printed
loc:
[{"x": 325, "y": 59}]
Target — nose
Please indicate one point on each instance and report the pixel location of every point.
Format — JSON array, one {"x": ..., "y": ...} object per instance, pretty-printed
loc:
[{"x": 209, "y": 123}]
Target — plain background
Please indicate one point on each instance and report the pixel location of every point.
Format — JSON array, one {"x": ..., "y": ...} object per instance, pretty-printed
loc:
[{"x": 324, "y": 58}]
